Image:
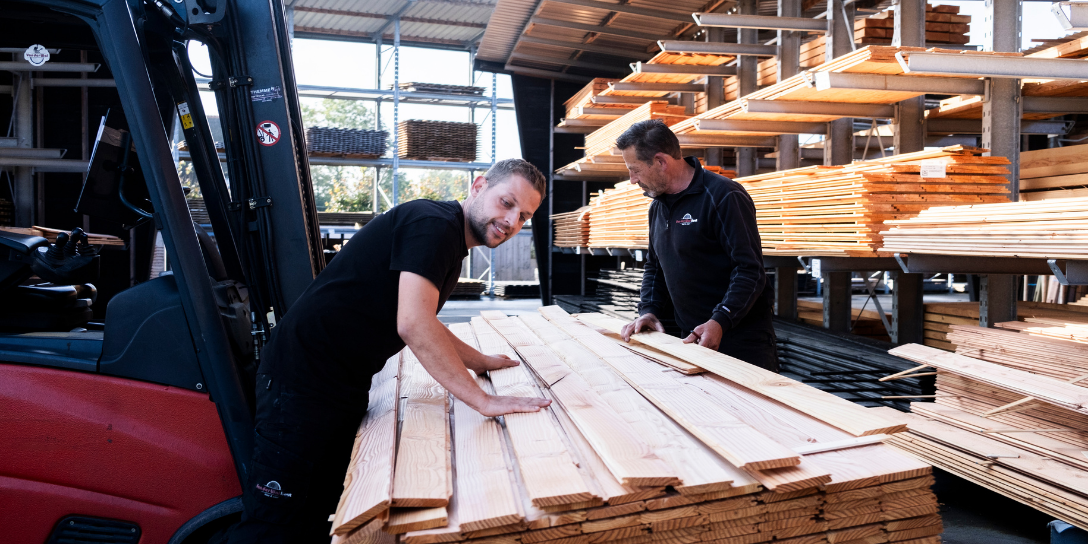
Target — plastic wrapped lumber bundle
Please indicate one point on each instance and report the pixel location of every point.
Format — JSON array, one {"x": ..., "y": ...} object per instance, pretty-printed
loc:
[
  {"x": 437, "y": 140},
  {"x": 345, "y": 142}
]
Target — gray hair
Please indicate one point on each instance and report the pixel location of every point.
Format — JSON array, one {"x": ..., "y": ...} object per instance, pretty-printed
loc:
[{"x": 650, "y": 138}]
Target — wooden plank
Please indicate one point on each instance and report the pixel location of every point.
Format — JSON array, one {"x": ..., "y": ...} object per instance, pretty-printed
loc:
[
  {"x": 544, "y": 462},
  {"x": 368, "y": 485},
  {"x": 403, "y": 520},
  {"x": 422, "y": 477},
  {"x": 823, "y": 406}
]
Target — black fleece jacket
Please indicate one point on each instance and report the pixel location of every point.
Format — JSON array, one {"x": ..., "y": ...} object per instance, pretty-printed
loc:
[{"x": 704, "y": 253}]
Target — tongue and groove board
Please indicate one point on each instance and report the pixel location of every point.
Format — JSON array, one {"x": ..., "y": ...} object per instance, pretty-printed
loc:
[
  {"x": 826, "y": 407},
  {"x": 546, "y": 466},
  {"x": 368, "y": 486},
  {"x": 422, "y": 477}
]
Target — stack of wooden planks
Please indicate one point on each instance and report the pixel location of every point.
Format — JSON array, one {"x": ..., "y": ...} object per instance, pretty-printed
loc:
[
  {"x": 1059, "y": 172},
  {"x": 584, "y": 99},
  {"x": 840, "y": 210},
  {"x": 571, "y": 228},
  {"x": 941, "y": 317},
  {"x": 631, "y": 451},
  {"x": 602, "y": 140},
  {"x": 620, "y": 218},
  {"x": 944, "y": 24},
  {"x": 1010, "y": 418},
  {"x": 864, "y": 322},
  {"x": 1050, "y": 229}
]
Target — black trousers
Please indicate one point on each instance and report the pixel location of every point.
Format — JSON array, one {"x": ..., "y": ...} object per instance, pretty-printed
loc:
[{"x": 296, "y": 476}]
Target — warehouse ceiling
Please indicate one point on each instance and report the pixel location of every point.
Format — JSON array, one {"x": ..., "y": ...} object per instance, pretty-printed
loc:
[{"x": 450, "y": 23}]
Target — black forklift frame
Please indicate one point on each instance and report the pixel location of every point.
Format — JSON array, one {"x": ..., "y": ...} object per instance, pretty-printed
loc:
[{"x": 266, "y": 221}]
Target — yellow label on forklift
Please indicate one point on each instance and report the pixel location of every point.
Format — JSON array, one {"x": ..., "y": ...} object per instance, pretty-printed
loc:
[{"x": 186, "y": 117}]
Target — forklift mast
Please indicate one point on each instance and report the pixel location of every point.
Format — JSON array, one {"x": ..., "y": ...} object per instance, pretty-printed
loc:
[{"x": 264, "y": 219}]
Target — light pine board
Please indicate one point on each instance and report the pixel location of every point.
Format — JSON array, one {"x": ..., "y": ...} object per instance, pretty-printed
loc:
[
  {"x": 826, "y": 407},
  {"x": 368, "y": 485},
  {"x": 422, "y": 477},
  {"x": 403, "y": 520},
  {"x": 546, "y": 466},
  {"x": 621, "y": 449}
]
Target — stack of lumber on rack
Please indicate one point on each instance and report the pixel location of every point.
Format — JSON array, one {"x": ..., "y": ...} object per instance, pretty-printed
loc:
[
  {"x": 345, "y": 142},
  {"x": 517, "y": 289},
  {"x": 1011, "y": 419},
  {"x": 1050, "y": 229},
  {"x": 871, "y": 59},
  {"x": 620, "y": 218},
  {"x": 602, "y": 140},
  {"x": 941, "y": 317},
  {"x": 632, "y": 450},
  {"x": 571, "y": 228},
  {"x": 437, "y": 140},
  {"x": 944, "y": 24},
  {"x": 845, "y": 365},
  {"x": 619, "y": 291},
  {"x": 839, "y": 210},
  {"x": 584, "y": 99},
  {"x": 51, "y": 235},
  {"x": 440, "y": 88},
  {"x": 865, "y": 323},
  {"x": 344, "y": 219},
  {"x": 1059, "y": 172}
]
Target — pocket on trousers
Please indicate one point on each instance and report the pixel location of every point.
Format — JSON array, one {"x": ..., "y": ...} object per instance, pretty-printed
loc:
[{"x": 278, "y": 483}]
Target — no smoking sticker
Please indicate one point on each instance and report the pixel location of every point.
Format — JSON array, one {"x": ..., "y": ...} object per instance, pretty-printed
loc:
[{"x": 268, "y": 133}]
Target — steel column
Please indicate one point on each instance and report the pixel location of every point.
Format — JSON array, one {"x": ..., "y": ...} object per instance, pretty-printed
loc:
[
  {"x": 907, "y": 308},
  {"x": 396, "y": 106},
  {"x": 747, "y": 83},
  {"x": 838, "y": 145},
  {"x": 785, "y": 292},
  {"x": 23, "y": 199},
  {"x": 836, "y": 291},
  {"x": 997, "y": 299},
  {"x": 715, "y": 94},
  {"x": 789, "y": 65},
  {"x": 1001, "y": 104},
  {"x": 910, "y": 30}
]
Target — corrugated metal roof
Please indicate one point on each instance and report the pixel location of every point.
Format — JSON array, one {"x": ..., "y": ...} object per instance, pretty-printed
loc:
[{"x": 451, "y": 22}]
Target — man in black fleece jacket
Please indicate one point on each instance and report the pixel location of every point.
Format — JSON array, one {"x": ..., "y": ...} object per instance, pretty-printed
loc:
[{"x": 704, "y": 251}]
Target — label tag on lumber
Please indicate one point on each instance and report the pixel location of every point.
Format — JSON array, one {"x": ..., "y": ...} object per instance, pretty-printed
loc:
[
  {"x": 933, "y": 169},
  {"x": 815, "y": 268}
]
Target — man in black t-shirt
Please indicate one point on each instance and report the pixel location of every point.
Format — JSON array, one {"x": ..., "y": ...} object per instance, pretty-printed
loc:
[{"x": 382, "y": 291}]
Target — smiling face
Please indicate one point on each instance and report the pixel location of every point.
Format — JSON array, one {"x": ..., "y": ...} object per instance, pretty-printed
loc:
[
  {"x": 500, "y": 208},
  {"x": 648, "y": 175}
]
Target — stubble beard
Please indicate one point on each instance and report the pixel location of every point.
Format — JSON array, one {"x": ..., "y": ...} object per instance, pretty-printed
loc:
[{"x": 479, "y": 227}]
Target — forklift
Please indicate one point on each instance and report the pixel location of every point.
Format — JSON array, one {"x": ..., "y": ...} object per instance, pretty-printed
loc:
[{"x": 139, "y": 427}]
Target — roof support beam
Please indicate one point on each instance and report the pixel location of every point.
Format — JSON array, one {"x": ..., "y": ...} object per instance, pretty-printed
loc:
[
  {"x": 683, "y": 69},
  {"x": 536, "y": 72},
  {"x": 664, "y": 87},
  {"x": 366, "y": 15},
  {"x": 596, "y": 28},
  {"x": 993, "y": 66},
  {"x": 877, "y": 82},
  {"x": 632, "y": 10},
  {"x": 769, "y": 22},
  {"x": 780, "y": 127},
  {"x": 718, "y": 48},
  {"x": 587, "y": 47},
  {"x": 567, "y": 62},
  {"x": 870, "y": 111}
]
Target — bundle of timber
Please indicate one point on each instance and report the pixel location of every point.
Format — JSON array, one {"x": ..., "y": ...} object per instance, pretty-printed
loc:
[
  {"x": 1050, "y": 229},
  {"x": 845, "y": 365},
  {"x": 940, "y": 317},
  {"x": 839, "y": 210},
  {"x": 944, "y": 24},
  {"x": 863, "y": 322},
  {"x": 620, "y": 218},
  {"x": 1060, "y": 172},
  {"x": 629, "y": 452},
  {"x": 344, "y": 219},
  {"x": 437, "y": 140},
  {"x": 584, "y": 99},
  {"x": 1012, "y": 419},
  {"x": 345, "y": 142},
  {"x": 469, "y": 288},
  {"x": 571, "y": 228},
  {"x": 577, "y": 304},
  {"x": 517, "y": 289},
  {"x": 602, "y": 140},
  {"x": 440, "y": 88},
  {"x": 51, "y": 235},
  {"x": 618, "y": 291}
]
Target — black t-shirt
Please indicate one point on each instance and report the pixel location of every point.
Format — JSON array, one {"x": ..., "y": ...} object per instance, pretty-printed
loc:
[{"x": 343, "y": 328}]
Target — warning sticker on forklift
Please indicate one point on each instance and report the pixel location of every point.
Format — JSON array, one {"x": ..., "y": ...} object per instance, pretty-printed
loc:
[
  {"x": 267, "y": 94},
  {"x": 186, "y": 117},
  {"x": 933, "y": 169},
  {"x": 268, "y": 133}
]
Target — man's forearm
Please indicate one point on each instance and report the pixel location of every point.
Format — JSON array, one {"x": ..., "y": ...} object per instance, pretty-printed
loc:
[
  {"x": 471, "y": 357},
  {"x": 432, "y": 345}
]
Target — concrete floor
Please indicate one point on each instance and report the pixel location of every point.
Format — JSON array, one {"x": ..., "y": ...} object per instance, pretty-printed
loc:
[{"x": 971, "y": 514}]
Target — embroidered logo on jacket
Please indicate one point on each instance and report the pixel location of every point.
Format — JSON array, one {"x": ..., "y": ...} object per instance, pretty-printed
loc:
[
  {"x": 272, "y": 489},
  {"x": 687, "y": 220}
]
